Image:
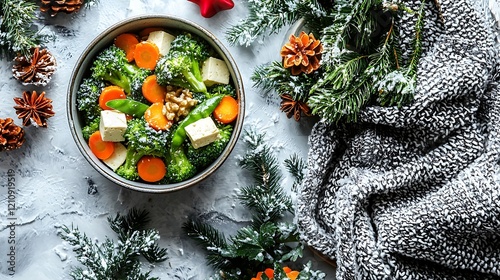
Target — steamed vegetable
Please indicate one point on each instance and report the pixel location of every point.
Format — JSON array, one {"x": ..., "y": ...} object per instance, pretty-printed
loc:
[
  {"x": 127, "y": 43},
  {"x": 142, "y": 141},
  {"x": 227, "y": 110},
  {"x": 111, "y": 65},
  {"x": 201, "y": 111},
  {"x": 87, "y": 99},
  {"x": 151, "y": 169},
  {"x": 101, "y": 149},
  {"x": 146, "y": 55},
  {"x": 91, "y": 128},
  {"x": 128, "y": 106},
  {"x": 110, "y": 93},
  {"x": 157, "y": 149},
  {"x": 152, "y": 91},
  {"x": 181, "y": 65},
  {"x": 204, "y": 156}
]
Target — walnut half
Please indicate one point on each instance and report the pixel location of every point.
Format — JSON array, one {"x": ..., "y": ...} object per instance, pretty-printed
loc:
[{"x": 178, "y": 103}]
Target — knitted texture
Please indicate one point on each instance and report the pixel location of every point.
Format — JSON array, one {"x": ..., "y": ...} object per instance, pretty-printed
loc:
[{"x": 414, "y": 192}]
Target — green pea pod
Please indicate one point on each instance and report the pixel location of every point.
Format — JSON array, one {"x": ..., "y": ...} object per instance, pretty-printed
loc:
[
  {"x": 128, "y": 106},
  {"x": 201, "y": 111}
]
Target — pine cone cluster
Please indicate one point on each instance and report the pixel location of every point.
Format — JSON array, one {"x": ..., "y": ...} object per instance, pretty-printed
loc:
[
  {"x": 302, "y": 54},
  {"x": 11, "y": 135},
  {"x": 55, "y": 6},
  {"x": 33, "y": 107},
  {"x": 35, "y": 70}
]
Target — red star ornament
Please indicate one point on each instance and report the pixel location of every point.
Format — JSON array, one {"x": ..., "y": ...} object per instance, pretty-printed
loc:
[{"x": 208, "y": 8}]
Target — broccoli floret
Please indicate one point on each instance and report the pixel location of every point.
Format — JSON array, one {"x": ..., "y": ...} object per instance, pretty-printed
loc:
[
  {"x": 222, "y": 89},
  {"x": 179, "y": 168},
  {"x": 111, "y": 65},
  {"x": 141, "y": 140},
  {"x": 204, "y": 156},
  {"x": 91, "y": 128},
  {"x": 87, "y": 99},
  {"x": 181, "y": 65}
]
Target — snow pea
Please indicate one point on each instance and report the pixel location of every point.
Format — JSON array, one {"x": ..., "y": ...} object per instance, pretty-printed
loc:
[
  {"x": 201, "y": 111},
  {"x": 128, "y": 106}
]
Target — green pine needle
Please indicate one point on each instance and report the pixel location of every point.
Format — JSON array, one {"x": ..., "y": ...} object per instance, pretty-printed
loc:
[
  {"x": 296, "y": 166},
  {"x": 267, "y": 242},
  {"x": 278, "y": 13},
  {"x": 361, "y": 64},
  {"x": 118, "y": 261},
  {"x": 210, "y": 238},
  {"x": 16, "y": 33}
]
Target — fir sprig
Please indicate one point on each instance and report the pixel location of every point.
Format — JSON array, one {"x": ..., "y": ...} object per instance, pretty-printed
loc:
[
  {"x": 296, "y": 167},
  {"x": 16, "y": 32},
  {"x": 263, "y": 14},
  {"x": 361, "y": 65},
  {"x": 268, "y": 241},
  {"x": 118, "y": 261}
]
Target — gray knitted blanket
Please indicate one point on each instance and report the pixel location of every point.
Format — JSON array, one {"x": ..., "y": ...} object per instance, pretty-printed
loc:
[{"x": 414, "y": 193}]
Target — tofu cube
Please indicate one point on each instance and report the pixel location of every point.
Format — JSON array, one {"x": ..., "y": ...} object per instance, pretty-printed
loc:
[
  {"x": 214, "y": 71},
  {"x": 112, "y": 126},
  {"x": 162, "y": 40},
  {"x": 117, "y": 158},
  {"x": 202, "y": 132}
]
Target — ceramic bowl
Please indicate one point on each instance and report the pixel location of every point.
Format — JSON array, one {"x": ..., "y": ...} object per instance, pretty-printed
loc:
[{"x": 104, "y": 40}]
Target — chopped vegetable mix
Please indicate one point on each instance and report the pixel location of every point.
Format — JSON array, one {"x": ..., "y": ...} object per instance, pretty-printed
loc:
[{"x": 149, "y": 87}]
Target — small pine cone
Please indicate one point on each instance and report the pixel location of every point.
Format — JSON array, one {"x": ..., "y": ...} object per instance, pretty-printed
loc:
[
  {"x": 33, "y": 107},
  {"x": 302, "y": 53},
  {"x": 35, "y": 70},
  {"x": 66, "y": 6},
  {"x": 11, "y": 135}
]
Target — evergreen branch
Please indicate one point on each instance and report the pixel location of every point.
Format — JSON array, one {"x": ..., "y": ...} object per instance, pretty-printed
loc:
[
  {"x": 268, "y": 204},
  {"x": 16, "y": 33},
  {"x": 265, "y": 17},
  {"x": 108, "y": 260},
  {"x": 296, "y": 166},
  {"x": 135, "y": 220},
  {"x": 266, "y": 242},
  {"x": 417, "y": 42},
  {"x": 274, "y": 77},
  {"x": 267, "y": 198},
  {"x": 210, "y": 238},
  {"x": 335, "y": 105},
  {"x": 398, "y": 87}
]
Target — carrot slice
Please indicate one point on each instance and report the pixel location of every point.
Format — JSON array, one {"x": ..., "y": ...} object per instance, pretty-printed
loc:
[
  {"x": 152, "y": 91},
  {"x": 286, "y": 269},
  {"x": 293, "y": 274},
  {"x": 227, "y": 110},
  {"x": 146, "y": 55},
  {"x": 101, "y": 149},
  {"x": 145, "y": 32},
  {"x": 155, "y": 117},
  {"x": 269, "y": 273},
  {"x": 259, "y": 276},
  {"x": 151, "y": 169},
  {"x": 110, "y": 93},
  {"x": 127, "y": 42}
]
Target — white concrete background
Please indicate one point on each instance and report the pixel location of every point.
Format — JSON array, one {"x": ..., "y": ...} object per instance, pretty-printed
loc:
[{"x": 52, "y": 177}]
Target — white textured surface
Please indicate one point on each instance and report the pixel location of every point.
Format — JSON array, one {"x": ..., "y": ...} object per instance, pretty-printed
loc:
[{"x": 52, "y": 177}]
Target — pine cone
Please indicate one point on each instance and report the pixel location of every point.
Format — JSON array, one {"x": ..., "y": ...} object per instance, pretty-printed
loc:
[
  {"x": 34, "y": 107},
  {"x": 302, "y": 54},
  {"x": 36, "y": 70},
  {"x": 11, "y": 135},
  {"x": 66, "y": 6}
]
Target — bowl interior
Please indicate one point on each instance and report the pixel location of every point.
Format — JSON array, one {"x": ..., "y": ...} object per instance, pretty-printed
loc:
[{"x": 104, "y": 40}]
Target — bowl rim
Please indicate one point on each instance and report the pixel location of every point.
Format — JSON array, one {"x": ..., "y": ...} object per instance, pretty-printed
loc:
[{"x": 72, "y": 112}]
